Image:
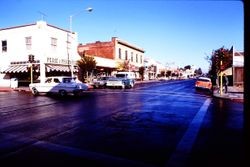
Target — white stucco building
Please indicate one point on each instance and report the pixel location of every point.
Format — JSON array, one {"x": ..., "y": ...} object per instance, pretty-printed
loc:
[{"x": 54, "y": 50}]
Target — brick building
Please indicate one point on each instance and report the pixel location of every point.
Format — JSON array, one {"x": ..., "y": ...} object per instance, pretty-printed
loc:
[{"x": 110, "y": 54}]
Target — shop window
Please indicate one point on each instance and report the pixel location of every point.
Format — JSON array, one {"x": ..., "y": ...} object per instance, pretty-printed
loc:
[{"x": 4, "y": 46}]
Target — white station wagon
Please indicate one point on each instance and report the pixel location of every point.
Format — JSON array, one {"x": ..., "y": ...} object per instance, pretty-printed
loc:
[{"x": 61, "y": 85}]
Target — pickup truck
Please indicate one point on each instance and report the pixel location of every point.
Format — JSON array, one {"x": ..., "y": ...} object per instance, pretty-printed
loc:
[{"x": 122, "y": 79}]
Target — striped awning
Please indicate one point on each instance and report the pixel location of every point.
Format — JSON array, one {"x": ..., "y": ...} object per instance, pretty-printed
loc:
[
  {"x": 20, "y": 68},
  {"x": 59, "y": 68},
  {"x": 17, "y": 68}
]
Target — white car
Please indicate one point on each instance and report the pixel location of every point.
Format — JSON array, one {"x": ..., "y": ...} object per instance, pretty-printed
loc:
[{"x": 61, "y": 85}]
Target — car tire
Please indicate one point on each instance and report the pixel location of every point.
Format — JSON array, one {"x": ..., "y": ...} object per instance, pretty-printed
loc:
[
  {"x": 34, "y": 91},
  {"x": 62, "y": 93}
]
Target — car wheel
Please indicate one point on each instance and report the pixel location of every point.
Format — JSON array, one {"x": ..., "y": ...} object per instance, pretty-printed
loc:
[
  {"x": 35, "y": 91},
  {"x": 62, "y": 93},
  {"x": 77, "y": 93}
]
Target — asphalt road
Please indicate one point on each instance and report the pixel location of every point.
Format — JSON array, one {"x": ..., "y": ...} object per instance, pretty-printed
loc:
[{"x": 156, "y": 124}]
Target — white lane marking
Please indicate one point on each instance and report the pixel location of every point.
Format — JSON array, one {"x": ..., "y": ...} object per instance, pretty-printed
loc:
[{"x": 183, "y": 149}]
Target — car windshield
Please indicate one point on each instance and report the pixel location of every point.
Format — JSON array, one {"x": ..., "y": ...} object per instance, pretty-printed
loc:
[
  {"x": 67, "y": 80},
  {"x": 120, "y": 75},
  {"x": 203, "y": 80},
  {"x": 102, "y": 78}
]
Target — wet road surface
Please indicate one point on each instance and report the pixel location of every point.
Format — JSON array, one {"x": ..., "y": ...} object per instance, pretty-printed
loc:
[{"x": 157, "y": 124}]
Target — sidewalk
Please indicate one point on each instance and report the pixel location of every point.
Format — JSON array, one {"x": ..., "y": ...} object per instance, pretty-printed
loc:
[
  {"x": 9, "y": 89},
  {"x": 234, "y": 93}
]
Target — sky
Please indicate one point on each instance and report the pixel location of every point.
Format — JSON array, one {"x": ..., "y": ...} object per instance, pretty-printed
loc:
[{"x": 175, "y": 33}]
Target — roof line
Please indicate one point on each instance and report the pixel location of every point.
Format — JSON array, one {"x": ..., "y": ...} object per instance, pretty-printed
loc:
[
  {"x": 32, "y": 24},
  {"x": 17, "y": 26}
]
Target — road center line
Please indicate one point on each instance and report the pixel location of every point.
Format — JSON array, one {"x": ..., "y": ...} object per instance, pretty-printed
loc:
[{"x": 183, "y": 149}]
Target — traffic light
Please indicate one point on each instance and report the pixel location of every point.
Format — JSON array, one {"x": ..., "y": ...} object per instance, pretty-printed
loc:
[{"x": 31, "y": 58}]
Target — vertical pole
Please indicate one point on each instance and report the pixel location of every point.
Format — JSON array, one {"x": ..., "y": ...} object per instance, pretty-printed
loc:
[
  {"x": 70, "y": 41},
  {"x": 31, "y": 73},
  {"x": 221, "y": 86}
]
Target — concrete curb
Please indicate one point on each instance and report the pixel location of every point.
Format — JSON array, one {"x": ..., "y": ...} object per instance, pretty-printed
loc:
[{"x": 230, "y": 96}]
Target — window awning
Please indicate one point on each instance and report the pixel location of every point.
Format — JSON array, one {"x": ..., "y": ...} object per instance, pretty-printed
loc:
[
  {"x": 21, "y": 68},
  {"x": 16, "y": 69},
  {"x": 59, "y": 68}
]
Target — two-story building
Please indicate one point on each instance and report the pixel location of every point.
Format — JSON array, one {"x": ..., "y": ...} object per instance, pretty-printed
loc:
[
  {"x": 109, "y": 55},
  {"x": 54, "y": 50}
]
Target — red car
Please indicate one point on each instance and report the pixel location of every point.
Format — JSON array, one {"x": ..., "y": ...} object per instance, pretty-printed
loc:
[{"x": 203, "y": 83}]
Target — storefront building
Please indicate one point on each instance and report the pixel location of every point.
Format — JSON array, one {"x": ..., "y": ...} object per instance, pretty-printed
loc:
[
  {"x": 238, "y": 68},
  {"x": 53, "y": 50},
  {"x": 109, "y": 55}
]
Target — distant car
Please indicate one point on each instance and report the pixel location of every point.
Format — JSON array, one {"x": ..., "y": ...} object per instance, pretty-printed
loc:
[
  {"x": 203, "y": 83},
  {"x": 61, "y": 85},
  {"x": 101, "y": 82}
]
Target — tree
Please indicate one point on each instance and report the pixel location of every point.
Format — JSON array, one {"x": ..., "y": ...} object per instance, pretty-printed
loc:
[
  {"x": 163, "y": 73},
  {"x": 198, "y": 71},
  {"x": 123, "y": 66},
  {"x": 168, "y": 73},
  {"x": 220, "y": 60},
  {"x": 187, "y": 67},
  {"x": 86, "y": 65},
  {"x": 141, "y": 72}
]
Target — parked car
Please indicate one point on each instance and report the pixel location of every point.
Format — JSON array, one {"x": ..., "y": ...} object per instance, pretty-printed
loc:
[
  {"x": 101, "y": 82},
  {"x": 122, "y": 79},
  {"x": 61, "y": 85},
  {"x": 203, "y": 83}
]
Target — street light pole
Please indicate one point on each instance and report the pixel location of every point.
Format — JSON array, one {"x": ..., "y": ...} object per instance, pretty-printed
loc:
[{"x": 89, "y": 9}]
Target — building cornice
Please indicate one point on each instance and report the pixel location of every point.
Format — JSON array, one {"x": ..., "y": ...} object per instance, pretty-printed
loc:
[{"x": 130, "y": 45}]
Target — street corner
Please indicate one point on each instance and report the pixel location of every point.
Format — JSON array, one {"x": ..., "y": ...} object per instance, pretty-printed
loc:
[{"x": 238, "y": 97}]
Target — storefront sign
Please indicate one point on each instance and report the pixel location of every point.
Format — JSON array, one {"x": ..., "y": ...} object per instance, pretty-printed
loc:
[{"x": 58, "y": 61}]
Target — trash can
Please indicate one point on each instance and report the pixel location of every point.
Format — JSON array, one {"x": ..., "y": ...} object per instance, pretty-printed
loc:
[{"x": 14, "y": 83}]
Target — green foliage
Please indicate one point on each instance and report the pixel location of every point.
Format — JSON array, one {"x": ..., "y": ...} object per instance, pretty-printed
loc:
[
  {"x": 187, "y": 67},
  {"x": 198, "y": 71},
  {"x": 123, "y": 66},
  {"x": 86, "y": 65},
  {"x": 220, "y": 60},
  {"x": 168, "y": 73}
]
